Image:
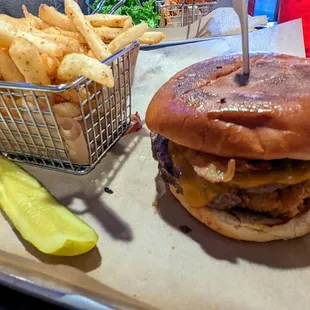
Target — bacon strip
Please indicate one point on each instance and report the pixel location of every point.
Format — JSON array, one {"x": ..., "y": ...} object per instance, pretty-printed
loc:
[{"x": 213, "y": 169}]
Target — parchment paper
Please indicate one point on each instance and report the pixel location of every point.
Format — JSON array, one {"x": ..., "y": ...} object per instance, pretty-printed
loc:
[{"x": 141, "y": 250}]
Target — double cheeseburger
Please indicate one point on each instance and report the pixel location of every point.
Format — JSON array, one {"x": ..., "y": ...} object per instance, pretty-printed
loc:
[{"x": 236, "y": 153}]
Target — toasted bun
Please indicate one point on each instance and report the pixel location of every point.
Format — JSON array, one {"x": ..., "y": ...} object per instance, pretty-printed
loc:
[
  {"x": 248, "y": 227},
  {"x": 204, "y": 107}
]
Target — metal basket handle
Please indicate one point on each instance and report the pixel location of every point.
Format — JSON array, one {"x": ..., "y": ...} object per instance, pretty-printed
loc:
[{"x": 112, "y": 11}]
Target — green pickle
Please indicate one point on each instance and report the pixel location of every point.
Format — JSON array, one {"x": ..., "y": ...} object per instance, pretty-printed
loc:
[{"x": 39, "y": 217}]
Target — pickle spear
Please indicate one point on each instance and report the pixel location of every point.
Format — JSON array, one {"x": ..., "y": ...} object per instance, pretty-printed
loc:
[{"x": 39, "y": 217}]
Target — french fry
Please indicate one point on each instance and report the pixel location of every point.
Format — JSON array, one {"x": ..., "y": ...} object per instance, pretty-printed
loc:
[
  {"x": 6, "y": 103},
  {"x": 18, "y": 23},
  {"x": 33, "y": 108},
  {"x": 128, "y": 23},
  {"x": 54, "y": 30},
  {"x": 54, "y": 18},
  {"x": 70, "y": 45},
  {"x": 27, "y": 59},
  {"x": 127, "y": 37},
  {"x": 74, "y": 65},
  {"x": 22, "y": 103},
  {"x": 87, "y": 31},
  {"x": 65, "y": 33},
  {"x": 91, "y": 54},
  {"x": 50, "y": 64},
  {"x": 58, "y": 98},
  {"x": 84, "y": 49},
  {"x": 7, "y": 34},
  {"x": 114, "y": 21},
  {"x": 107, "y": 34},
  {"x": 8, "y": 70},
  {"x": 43, "y": 45},
  {"x": 72, "y": 96},
  {"x": 15, "y": 21},
  {"x": 152, "y": 38},
  {"x": 67, "y": 109},
  {"x": 34, "y": 21},
  {"x": 27, "y": 28}
]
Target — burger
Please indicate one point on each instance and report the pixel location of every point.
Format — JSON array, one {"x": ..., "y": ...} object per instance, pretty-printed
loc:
[{"x": 235, "y": 152}]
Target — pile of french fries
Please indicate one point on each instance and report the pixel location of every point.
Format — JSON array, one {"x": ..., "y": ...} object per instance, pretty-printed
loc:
[
  {"x": 53, "y": 49},
  {"x": 57, "y": 48}
]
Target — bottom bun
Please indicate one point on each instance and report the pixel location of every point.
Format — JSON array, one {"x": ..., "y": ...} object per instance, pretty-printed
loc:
[{"x": 248, "y": 226}]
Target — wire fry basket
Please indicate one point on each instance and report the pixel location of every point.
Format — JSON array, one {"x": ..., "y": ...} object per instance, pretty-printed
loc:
[
  {"x": 177, "y": 13},
  {"x": 35, "y": 131}
]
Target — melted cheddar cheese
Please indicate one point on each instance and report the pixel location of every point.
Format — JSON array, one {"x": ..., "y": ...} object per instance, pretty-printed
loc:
[
  {"x": 290, "y": 176},
  {"x": 199, "y": 192}
]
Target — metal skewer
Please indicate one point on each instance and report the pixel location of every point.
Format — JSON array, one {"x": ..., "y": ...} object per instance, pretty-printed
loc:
[{"x": 241, "y": 8}]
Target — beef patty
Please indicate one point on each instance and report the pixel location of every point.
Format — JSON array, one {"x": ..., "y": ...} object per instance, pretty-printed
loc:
[{"x": 278, "y": 200}]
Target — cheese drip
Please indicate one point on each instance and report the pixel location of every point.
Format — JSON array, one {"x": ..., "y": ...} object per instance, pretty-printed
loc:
[{"x": 199, "y": 192}]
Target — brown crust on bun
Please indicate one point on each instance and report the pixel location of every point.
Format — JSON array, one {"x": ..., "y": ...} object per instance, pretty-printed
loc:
[
  {"x": 207, "y": 107},
  {"x": 248, "y": 227}
]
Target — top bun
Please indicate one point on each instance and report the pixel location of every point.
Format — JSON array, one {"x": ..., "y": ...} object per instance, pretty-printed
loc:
[{"x": 207, "y": 107}]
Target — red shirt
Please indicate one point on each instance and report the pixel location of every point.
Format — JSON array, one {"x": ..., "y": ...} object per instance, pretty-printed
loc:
[{"x": 293, "y": 9}]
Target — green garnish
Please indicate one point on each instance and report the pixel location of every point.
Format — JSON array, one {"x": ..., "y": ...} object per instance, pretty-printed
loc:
[{"x": 147, "y": 12}]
